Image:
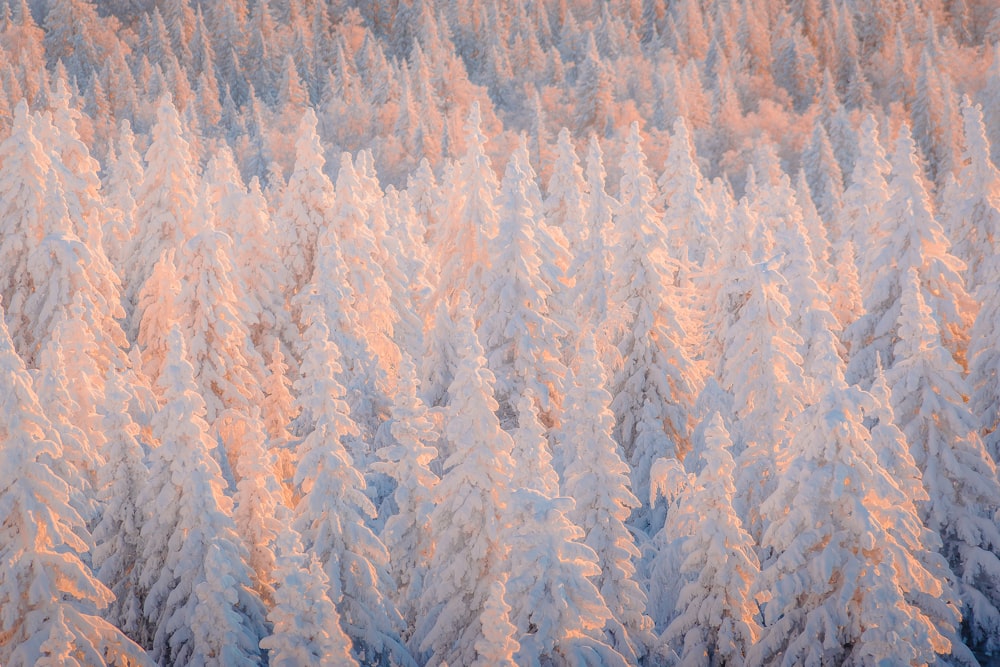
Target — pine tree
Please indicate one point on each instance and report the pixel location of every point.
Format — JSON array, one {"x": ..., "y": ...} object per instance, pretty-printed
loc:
[
  {"x": 118, "y": 536},
  {"x": 124, "y": 174},
  {"x": 497, "y": 647},
  {"x": 565, "y": 204},
  {"x": 984, "y": 360},
  {"x": 331, "y": 513},
  {"x": 958, "y": 474},
  {"x": 558, "y": 612},
  {"x": 656, "y": 383},
  {"x": 156, "y": 310},
  {"x": 462, "y": 249},
  {"x": 848, "y": 590},
  {"x": 516, "y": 330},
  {"x": 913, "y": 238},
  {"x": 716, "y": 624},
  {"x": 306, "y": 624},
  {"x": 227, "y": 367},
  {"x": 407, "y": 451},
  {"x": 24, "y": 169},
  {"x": 762, "y": 369},
  {"x": 166, "y": 200},
  {"x": 198, "y": 596},
  {"x": 471, "y": 515},
  {"x": 971, "y": 207},
  {"x": 352, "y": 229},
  {"x": 590, "y": 268},
  {"x": 47, "y": 594},
  {"x": 824, "y": 175},
  {"x": 305, "y": 203},
  {"x": 687, "y": 218},
  {"x": 597, "y": 478}
]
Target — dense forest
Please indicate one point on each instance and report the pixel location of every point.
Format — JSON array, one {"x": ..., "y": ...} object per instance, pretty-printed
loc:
[{"x": 547, "y": 333}]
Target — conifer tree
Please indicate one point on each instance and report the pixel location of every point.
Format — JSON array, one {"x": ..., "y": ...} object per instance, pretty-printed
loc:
[
  {"x": 823, "y": 173},
  {"x": 558, "y": 612},
  {"x": 958, "y": 474},
  {"x": 48, "y": 597},
  {"x": 306, "y": 625},
  {"x": 971, "y": 207},
  {"x": 277, "y": 415},
  {"x": 156, "y": 311},
  {"x": 565, "y": 204},
  {"x": 331, "y": 513},
  {"x": 227, "y": 366},
  {"x": 81, "y": 455},
  {"x": 589, "y": 270},
  {"x": 687, "y": 218},
  {"x": 762, "y": 369},
  {"x": 124, "y": 174},
  {"x": 472, "y": 511},
  {"x": 350, "y": 230},
  {"x": 118, "y": 536},
  {"x": 913, "y": 238},
  {"x": 166, "y": 200},
  {"x": 497, "y": 647},
  {"x": 24, "y": 172},
  {"x": 198, "y": 595},
  {"x": 656, "y": 383},
  {"x": 865, "y": 198},
  {"x": 306, "y": 201},
  {"x": 828, "y": 587},
  {"x": 462, "y": 249},
  {"x": 984, "y": 360},
  {"x": 597, "y": 479},
  {"x": 716, "y": 623},
  {"x": 406, "y": 452},
  {"x": 516, "y": 331}
]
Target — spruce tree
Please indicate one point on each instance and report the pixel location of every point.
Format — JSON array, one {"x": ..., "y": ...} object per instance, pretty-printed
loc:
[
  {"x": 656, "y": 382},
  {"x": 48, "y": 596},
  {"x": 197, "y": 584},
  {"x": 959, "y": 475}
]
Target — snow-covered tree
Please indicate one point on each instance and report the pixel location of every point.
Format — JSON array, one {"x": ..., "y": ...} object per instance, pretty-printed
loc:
[
  {"x": 716, "y": 624},
  {"x": 118, "y": 537},
  {"x": 406, "y": 451},
  {"x": 558, "y": 612},
  {"x": 331, "y": 515},
  {"x": 198, "y": 595},
  {"x": 762, "y": 369},
  {"x": 305, "y": 204},
  {"x": 590, "y": 269},
  {"x": 227, "y": 367},
  {"x": 971, "y": 207},
  {"x": 497, "y": 646},
  {"x": 687, "y": 218},
  {"x": 911, "y": 237},
  {"x": 850, "y": 589},
  {"x": 597, "y": 479},
  {"x": 984, "y": 360},
  {"x": 472, "y": 512},
  {"x": 656, "y": 383},
  {"x": 156, "y": 311},
  {"x": 48, "y": 596},
  {"x": 306, "y": 625},
  {"x": 463, "y": 251},
  {"x": 958, "y": 474},
  {"x": 124, "y": 174},
  {"x": 165, "y": 200},
  {"x": 24, "y": 174},
  {"x": 518, "y": 335}
]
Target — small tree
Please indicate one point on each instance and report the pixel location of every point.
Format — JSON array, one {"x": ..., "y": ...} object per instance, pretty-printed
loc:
[
  {"x": 717, "y": 621},
  {"x": 47, "y": 594}
]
